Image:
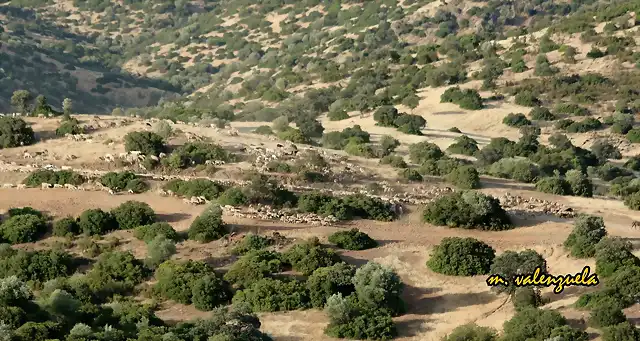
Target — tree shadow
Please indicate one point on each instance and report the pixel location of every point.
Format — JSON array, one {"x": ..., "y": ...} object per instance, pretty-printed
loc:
[
  {"x": 522, "y": 218},
  {"x": 173, "y": 217},
  {"x": 412, "y": 327},
  {"x": 421, "y": 301},
  {"x": 385, "y": 242},
  {"x": 358, "y": 262},
  {"x": 503, "y": 184}
]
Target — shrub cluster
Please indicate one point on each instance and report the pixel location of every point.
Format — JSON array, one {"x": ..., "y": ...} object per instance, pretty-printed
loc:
[
  {"x": 36, "y": 178},
  {"x": 268, "y": 295},
  {"x": 15, "y": 132},
  {"x": 456, "y": 256},
  {"x": 24, "y": 225},
  {"x": 464, "y": 145},
  {"x": 467, "y": 209},
  {"x": 388, "y": 116},
  {"x": 38, "y": 266},
  {"x": 252, "y": 242},
  {"x": 352, "y": 239},
  {"x": 208, "y": 226},
  {"x": 464, "y": 177},
  {"x": 191, "y": 282},
  {"x": 587, "y": 232},
  {"x": 511, "y": 263},
  {"x": 516, "y": 120},
  {"x": 466, "y": 99},
  {"x": 195, "y": 187},
  {"x": 518, "y": 168},
  {"x": 310, "y": 255},
  {"x": 124, "y": 181},
  {"x": 146, "y": 142},
  {"x": 574, "y": 183},
  {"x": 355, "y": 205},
  {"x": 252, "y": 267},
  {"x": 148, "y": 232},
  {"x": 196, "y": 153}
]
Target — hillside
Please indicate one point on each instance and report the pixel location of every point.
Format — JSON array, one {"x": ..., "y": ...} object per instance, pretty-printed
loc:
[{"x": 255, "y": 170}]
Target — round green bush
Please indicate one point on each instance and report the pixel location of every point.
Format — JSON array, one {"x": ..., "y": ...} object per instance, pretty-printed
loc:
[
  {"x": 65, "y": 227},
  {"x": 252, "y": 267},
  {"x": 117, "y": 266},
  {"x": 613, "y": 253},
  {"x": 338, "y": 115},
  {"x": 526, "y": 297},
  {"x": 208, "y": 226},
  {"x": 622, "y": 331},
  {"x": 131, "y": 214},
  {"x": 568, "y": 333},
  {"x": 587, "y": 232},
  {"x": 531, "y": 323},
  {"x": 456, "y": 256},
  {"x": 149, "y": 143},
  {"x": 23, "y": 228},
  {"x": 97, "y": 222},
  {"x": 352, "y": 240},
  {"x": 464, "y": 177},
  {"x": 327, "y": 281},
  {"x": 233, "y": 196},
  {"x": 209, "y": 292},
  {"x": 268, "y": 295},
  {"x": 469, "y": 332},
  {"x": 553, "y": 185},
  {"x": 511, "y": 263},
  {"x": 146, "y": 233},
  {"x": 606, "y": 315},
  {"x": 467, "y": 209},
  {"x": 15, "y": 132},
  {"x": 516, "y": 120},
  {"x": 308, "y": 256}
]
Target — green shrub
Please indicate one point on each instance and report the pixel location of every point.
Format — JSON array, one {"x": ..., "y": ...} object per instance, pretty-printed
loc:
[
  {"x": 622, "y": 331},
  {"x": 510, "y": 263},
  {"x": 122, "y": 181},
  {"x": 456, "y": 256},
  {"x": 606, "y": 315},
  {"x": 586, "y": 125},
  {"x": 159, "y": 249},
  {"x": 526, "y": 297},
  {"x": 352, "y": 240},
  {"x": 519, "y": 169},
  {"x": 38, "y": 266},
  {"x": 252, "y": 242},
  {"x": 36, "y": 178},
  {"x": 15, "y": 132},
  {"x": 131, "y": 214},
  {"x": 541, "y": 114},
  {"x": 468, "y": 332},
  {"x": 409, "y": 174},
  {"x": 327, "y": 281},
  {"x": 16, "y": 211},
  {"x": 24, "y": 228},
  {"x": 598, "y": 298},
  {"x": 96, "y": 222},
  {"x": 146, "y": 142},
  {"x": 252, "y": 267},
  {"x": 626, "y": 283},
  {"x": 467, "y": 209},
  {"x": 580, "y": 184},
  {"x": 294, "y": 135},
  {"x": 633, "y": 135},
  {"x": 424, "y": 151},
  {"x": 571, "y": 109},
  {"x": 367, "y": 207},
  {"x": 464, "y": 177},
  {"x": 379, "y": 287},
  {"x": 195, "y": 187},
  {"x": 532, "y": 323},
  {"x": 176, "y": 280},
  {"x": 117, "y": 266},
  {"x": 196, "y": 153},
  {"x": 268, "y": 295},
  {"x": 464, "y": 145},
  {"x": 279, "y": 167},
  {"x": 208, "y": 226},
  {"x": 66, "y": 227},
  {"x": 516, "y": 120},
  {"x": 263, "y": 190},
  {"x": 587, "y": 232},
  {"x": 338, "y": 115},
  {"x": 209, "y": 292},
  {"x": 613, "y": 253},
  {"x": 263, "y": 130},
  {"x": 69, "y": 127},
  {"x": 395, "y": 161},
  {"x": 466, "y": 99},
  {"x": 633, "y": 201},
  {"x": 308, "y": 256},
  {"x": 553, "y": 185},
  {"x": 568, "y": 333},
  {"x": 233, "y": 196},
  {"x": 526, "y": 98},
  {"x": 147, "y": 233},
  {"x": 351, "y": 319}
]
